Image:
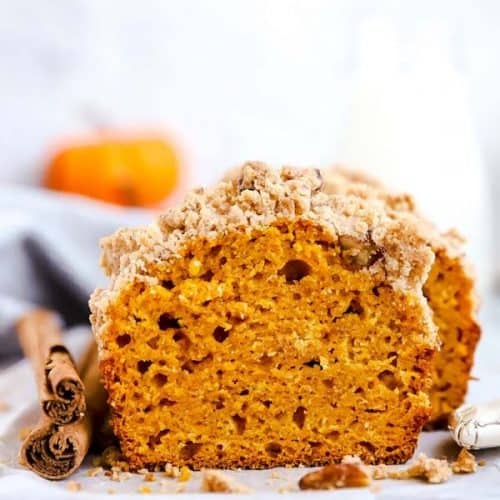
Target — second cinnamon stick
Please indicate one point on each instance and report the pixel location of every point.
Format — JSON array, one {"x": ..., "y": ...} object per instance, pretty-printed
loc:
[{"x": 60, "y": 387}]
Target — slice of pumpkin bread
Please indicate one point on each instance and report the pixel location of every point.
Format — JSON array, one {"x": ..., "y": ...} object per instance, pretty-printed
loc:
[
  {"x": 449, "y": 290},
  {"x": 265, "y": 323}
]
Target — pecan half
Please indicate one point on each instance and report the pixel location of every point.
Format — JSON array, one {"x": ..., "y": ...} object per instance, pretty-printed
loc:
[{"x": 346, "y": 475}]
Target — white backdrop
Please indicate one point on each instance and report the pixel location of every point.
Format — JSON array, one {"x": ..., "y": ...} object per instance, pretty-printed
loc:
[
  {"x": 234, "y": 79},
  {"x": 231, "y": 79}
]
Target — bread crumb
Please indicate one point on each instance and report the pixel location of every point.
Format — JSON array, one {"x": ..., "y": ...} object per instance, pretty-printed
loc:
[
  {"x": 381, "y": 472},
  {"x": 344, "y": 475},
  {"x": 184, "y": 474},
  {"x": 465, "y": 463},
  {"x": 481, "y": 462},
  {"x": 351, "y": 459},
  {"x": 375, "y": 488},
  {"x": 149, "y": 477},
  {"x": 116, "y": 474},
  {"x": 216, "y": 482},
  {"x": 4, "y": 406},
  {"x": 171, "y": 471},
  {"x": 433, "y": 470},
  {"x": 73, "y": 486},
  {"x": 95, "y": 471},
  {"x": 181, "y": 488},
  {"x": 288, "y": 488},
  {"x": 144, "y": 489},
  {"x": 275, "y": 475},
  {"x": 143, "y": 471},
  {"x": 111, "y": 492}
]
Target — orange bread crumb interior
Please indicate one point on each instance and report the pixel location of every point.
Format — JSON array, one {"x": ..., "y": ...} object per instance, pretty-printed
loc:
[{"x": 449, "y": 288}]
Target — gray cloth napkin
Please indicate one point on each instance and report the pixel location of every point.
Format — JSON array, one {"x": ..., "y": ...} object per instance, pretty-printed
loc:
[{"x": 49, "y": 253}]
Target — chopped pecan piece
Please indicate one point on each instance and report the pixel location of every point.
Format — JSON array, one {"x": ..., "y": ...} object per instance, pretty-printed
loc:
[
  {"x": 358, "y": 254},
  {"x": 345, "y": 475}
]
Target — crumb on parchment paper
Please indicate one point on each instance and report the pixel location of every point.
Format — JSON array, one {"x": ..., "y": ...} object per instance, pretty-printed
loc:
[
  {"x": 94, "y": 471},
  {"x": 73, "y": 486},
  {"x": 432, "y": 470},
  {"x": 351, "y": 459},
  {"x": 465, "y": 463},
  {"x": 351, "y": 472},
  {"x": 217, "y": 482},
  {"x": 117, "y": 474},
  {"x": 171, "y": 471},
  {"x": 184, "y": 474},
  {"x": 287, "y": 488}
]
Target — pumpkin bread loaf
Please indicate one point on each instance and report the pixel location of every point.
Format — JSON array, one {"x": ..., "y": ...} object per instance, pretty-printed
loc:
[
  {"x": 449, "y": 290},
  {"x": 265, "y": 323}
]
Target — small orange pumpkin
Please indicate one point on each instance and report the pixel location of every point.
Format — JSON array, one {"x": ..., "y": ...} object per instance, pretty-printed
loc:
[{"x": 133, "y": 172}]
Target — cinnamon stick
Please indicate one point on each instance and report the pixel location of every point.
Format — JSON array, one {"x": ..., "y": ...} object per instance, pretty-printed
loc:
[
  {"x": 55, "y": 452},
  {"x": 52, "y": 450},
  {"x": 59, "y": 385}
]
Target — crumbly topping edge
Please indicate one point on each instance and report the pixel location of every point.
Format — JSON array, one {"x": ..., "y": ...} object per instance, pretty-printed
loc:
[
  {"x": 339, "y": 180},
  {"x": 255, "y": 198},
  {"x": 450, "y": 243}
]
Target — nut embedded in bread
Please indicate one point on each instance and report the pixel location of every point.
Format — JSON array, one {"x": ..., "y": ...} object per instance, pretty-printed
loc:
[
  {"x": 265, "y": 323},
  {"x": 449, "y": 290}
]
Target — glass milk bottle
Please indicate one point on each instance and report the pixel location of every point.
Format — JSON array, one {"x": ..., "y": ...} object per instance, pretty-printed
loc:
[{"x": 413, "y": 129}]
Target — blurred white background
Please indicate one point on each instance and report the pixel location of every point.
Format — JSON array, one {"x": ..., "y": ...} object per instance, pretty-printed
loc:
[{"x": 277, "y": 80}]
